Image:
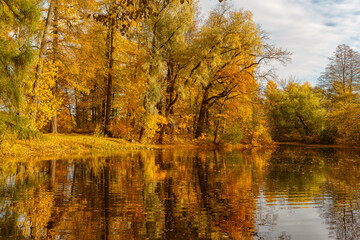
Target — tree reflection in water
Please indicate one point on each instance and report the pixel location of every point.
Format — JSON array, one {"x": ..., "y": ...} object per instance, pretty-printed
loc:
[
  {"x": 326, "y": 179},
  {"x": 167, "y": 194}
]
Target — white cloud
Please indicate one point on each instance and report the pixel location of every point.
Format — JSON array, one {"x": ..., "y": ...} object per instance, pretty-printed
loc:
[{"x": 310, "y": 29}]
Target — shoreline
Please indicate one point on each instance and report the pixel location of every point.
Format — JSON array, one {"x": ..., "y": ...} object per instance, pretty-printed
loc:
[
  {"x": 67, "y": 145},
  {"x": 317, "y": 145}
]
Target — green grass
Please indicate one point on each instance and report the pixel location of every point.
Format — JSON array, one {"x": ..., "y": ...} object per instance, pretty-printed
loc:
[{"x": 61, "y": 144}]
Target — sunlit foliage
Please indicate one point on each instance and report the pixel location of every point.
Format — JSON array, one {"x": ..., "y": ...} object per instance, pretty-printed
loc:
[
  {"x": 139, "y": 70},
  {"x": 296, "y": 112}
]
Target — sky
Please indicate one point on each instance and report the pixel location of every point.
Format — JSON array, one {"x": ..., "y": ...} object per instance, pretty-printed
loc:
[{"x": 310, "y": 29}]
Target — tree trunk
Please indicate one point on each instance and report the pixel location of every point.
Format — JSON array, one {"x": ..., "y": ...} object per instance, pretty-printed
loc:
[
  {"x": 77, "y": 111},
  {"x": 109, "y": 77},
  {"x": 54, "y": 124},
  {"x": 148, "y": 101},
  {"x": 164, "y": 126},
  {"x": 54, "y": 128},
  {"x": 202, "y": 115},
  {"x": 217, "y": 124},
  {"x": 168, "y": 112},
  {"x": 307, "y": 130},
  {"x": 171, "y": 96},
  {"x": 38, "y": 71},
  {"x": 162, "y": 134},
  {"x": 141, "y": 135}
]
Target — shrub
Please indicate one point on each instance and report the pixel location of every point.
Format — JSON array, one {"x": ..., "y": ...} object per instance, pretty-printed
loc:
[{"x": 233, "y": 135}]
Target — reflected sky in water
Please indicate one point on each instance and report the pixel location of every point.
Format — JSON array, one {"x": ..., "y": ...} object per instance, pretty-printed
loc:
[{"x": 288, "y": 193}]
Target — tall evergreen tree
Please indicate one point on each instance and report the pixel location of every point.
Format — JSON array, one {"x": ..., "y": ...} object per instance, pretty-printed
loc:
[{"x": 18, "y": 21}]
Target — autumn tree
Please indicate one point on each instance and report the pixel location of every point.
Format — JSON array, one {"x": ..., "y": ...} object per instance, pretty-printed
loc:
[
  {"x": 341, "y": 78},
  {"x": 229, "y": 48},
  {"x": 164, "y": 39},
  {"x": 70, "y": 24},
  {"x": 340, "y": 83},
  {"x": 117, "y": 17},
  {"x": 177, "y": 64},
  {"x": 34, "y": 101},
  {"x": 296, "y": 112},
  {"x": 51, "y": 73}
]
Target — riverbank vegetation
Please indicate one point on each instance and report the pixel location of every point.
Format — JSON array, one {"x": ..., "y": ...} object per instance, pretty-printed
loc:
[
  {"x": 154, "y": 72},
  {"x": 328, "y": 113},
  {"x": 56, "y": 145}
]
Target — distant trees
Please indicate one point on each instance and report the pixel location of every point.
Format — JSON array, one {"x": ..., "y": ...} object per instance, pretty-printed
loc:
[
  {"x": 341, "y": 82},
  {"x": 328, "y": 113},
  {"x": 341, "y": 78},
  {"x": 296, "y": 112}
]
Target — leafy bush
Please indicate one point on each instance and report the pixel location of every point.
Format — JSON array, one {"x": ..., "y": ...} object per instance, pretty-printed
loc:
[{"x": 233, "y": 135}]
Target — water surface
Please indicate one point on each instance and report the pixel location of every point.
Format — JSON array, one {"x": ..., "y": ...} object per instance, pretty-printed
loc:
[{"x": 289, "y": 193}]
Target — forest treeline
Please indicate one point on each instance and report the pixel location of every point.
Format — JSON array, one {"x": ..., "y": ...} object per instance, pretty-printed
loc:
[
  {"x": 328, "y": 113},
  {"x": 154, "y": 71}
]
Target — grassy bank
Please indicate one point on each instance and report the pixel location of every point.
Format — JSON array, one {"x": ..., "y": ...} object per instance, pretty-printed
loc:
[{"x": 61, "y": 144}]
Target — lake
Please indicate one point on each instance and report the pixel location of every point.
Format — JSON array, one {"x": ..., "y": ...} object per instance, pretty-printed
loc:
[{"x": 291, "y": 192}]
